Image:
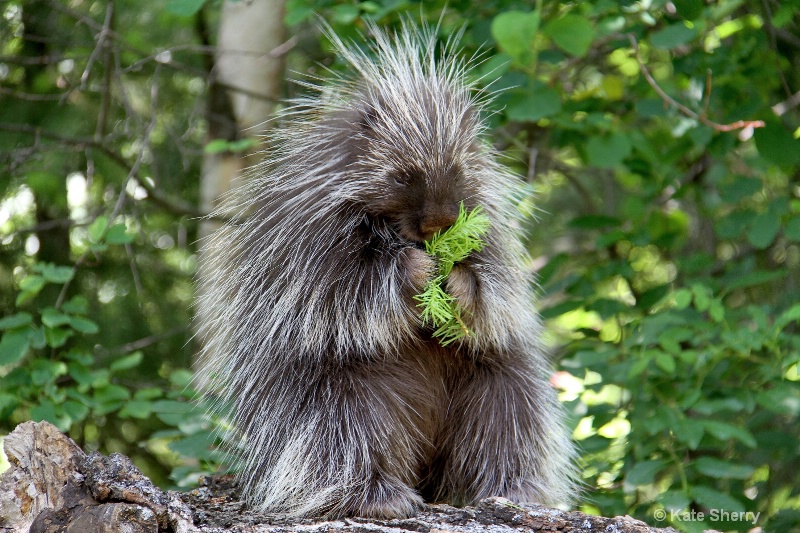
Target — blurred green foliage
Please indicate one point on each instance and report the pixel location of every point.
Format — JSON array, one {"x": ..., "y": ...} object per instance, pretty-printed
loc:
[{"x": 667, "y": 246}]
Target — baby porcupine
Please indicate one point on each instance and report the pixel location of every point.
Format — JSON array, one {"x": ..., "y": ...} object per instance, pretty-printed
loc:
[{"x": 343, "y": 403}]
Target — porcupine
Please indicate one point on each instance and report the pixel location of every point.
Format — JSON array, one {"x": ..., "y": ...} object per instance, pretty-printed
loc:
[{"x": 343, "y": 402}]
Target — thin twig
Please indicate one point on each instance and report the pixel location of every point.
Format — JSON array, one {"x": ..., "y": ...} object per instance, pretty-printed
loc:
[
  {"x": 32, "y": 97},
  {"x": 739, "y": 124},
  {"x": 137, "y": 282},
  {"x": 707, "y": 95},
  {"x": 101, "y": 43},
  {"x": 146, "y": 341},
  {"x": 44, "y": 226},
  {"x": 790, "y": 103},
  {"x": 114, "y": 213},
  {"x": 105, "y": 102}
]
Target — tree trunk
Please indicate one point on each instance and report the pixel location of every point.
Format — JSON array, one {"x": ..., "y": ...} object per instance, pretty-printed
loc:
[{"x": 245, "y": 83}]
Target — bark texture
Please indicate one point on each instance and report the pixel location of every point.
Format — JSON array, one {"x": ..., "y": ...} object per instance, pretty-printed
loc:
[{"x": 54, "y": 487}]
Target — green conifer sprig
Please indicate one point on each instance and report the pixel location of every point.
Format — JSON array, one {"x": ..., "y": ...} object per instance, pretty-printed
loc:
[{"x": 440, "y": 309}]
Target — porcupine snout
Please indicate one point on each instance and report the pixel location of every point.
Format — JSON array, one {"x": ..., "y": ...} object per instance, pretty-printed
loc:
[{"x": 437, "y": 218}]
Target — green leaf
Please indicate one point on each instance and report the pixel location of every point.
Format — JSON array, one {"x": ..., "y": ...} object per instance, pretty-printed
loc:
[
  {"x": 641, "y": 363},
  {"x": 129, "y": 361},
  {"x": 83, "y": 325},
  {"x": 777, "y": 144},
  {"x": 57, "y": 337},
  {"x": 181, "y": 377},
  {"x": 716, "y": 311},
  {"x": 716, "y": 468},
  {"x": 792, "y": 229},
  {"x": 111, "y": 393},
  {"x": 46, "y": 410},
  {"x": 781, "y": 399},
  {"x": 116, "y": 235},
  {"x": 587, "y": 358},
  {"x": 44, "y": 371},
  {"x": 242, "y": 145},
  {"x": 184, "y": 8},
  {"x": 764, "y": 230},
  {"x": 734, "y": 224},
  {"x": 572, "y": 33},
  {"x": 345, "y": 13},
  {"x": 55, "y": 274},
  {"x": 713, "y": 407},
  {"x": 53, "y": 318},
  {"x": 80, "y": 357},
  {"x": 790, "y": 315},
  {"x": 702, "y": 297},
  {"x": 561, "y": 308},
  {"x": 751, "y": 279},
  {"x": 533, "y": 106},
  {"x": 683, "y": 297},
  {"x": 666, "y": 362},
  {"x": 552, "y": 267},
  {"x": 100, "y": 378},
  {"x": 515, "y": 31},
  {"x": 97, "y": 229},
  {"x": 37, "y": 337},
  {"x": 150, "y": 393},
  {"x": 607, "y": 307},
  {"x": 608, "y": 151},
  {"x": 712, "y": 498},
  {"x": 741, "y": 187},
  {"x": 652, "y": 296},
  {"x": 31, "y": 285},
  {"x": 172, "y": 406},
  {"x": 725, "y": 432},
  {"x": 195, "y": 446},
  {"x": 609, "y": 239},
  {"x": 77, "y": 305},
  {"x": 673, "y": 500},
  {"x": 644, "y": 473},
  {"x": 672, "y": 36},
  {"x": 137, "y": 409},
  {"x": 81, "y": 374},
  {"x": 77, "y": 411},
  {"x": 13, "y": 346},
  {"x": 295, "y": 14},
  {"x": 171, "y": 412},
  {"x": 16, "y": 320},
  {"x": 689, "y": 9},
  {"x": 8, "y": 402},
  {"x": 689, "y": 432},
  {"x": 671, "y": 338},
  {"x": 216, "y": 146}
]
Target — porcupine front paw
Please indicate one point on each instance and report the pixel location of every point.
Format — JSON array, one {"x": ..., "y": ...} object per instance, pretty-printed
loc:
[
  {"x": 418, "y": 266},
  {"x": 463, "y": 286}
]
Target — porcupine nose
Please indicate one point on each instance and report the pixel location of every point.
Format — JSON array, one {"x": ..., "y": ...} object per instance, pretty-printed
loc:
[{"x": 437, "y": 220}]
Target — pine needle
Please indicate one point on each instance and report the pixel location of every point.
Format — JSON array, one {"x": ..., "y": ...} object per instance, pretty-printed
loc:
[{"x": 440, "y": 309}]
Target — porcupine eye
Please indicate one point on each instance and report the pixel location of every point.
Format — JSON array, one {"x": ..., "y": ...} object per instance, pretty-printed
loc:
[{"x": 402, "y": 179}]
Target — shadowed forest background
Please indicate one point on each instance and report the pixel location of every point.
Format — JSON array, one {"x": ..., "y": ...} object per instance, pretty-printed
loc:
[{"x": 661, "y": 145}]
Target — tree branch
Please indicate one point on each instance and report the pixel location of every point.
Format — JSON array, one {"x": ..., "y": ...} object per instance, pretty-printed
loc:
[
  {"x": 170, "y": 204},
  {"x": 739, "y": 124}
]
